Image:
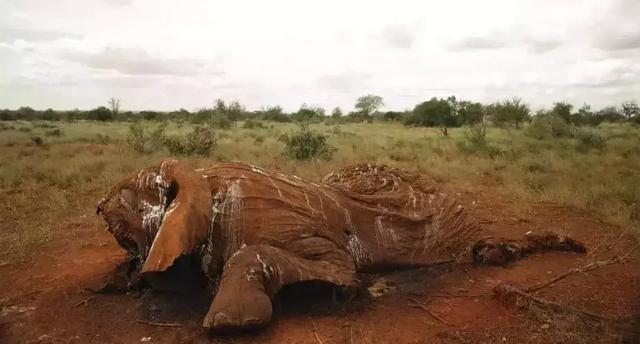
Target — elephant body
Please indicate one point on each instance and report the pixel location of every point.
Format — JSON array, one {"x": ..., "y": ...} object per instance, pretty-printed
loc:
[{"x": 255, "y": 231}]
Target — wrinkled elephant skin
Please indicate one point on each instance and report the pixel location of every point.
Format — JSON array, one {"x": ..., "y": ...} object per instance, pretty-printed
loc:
[{"x": 251, "y": 231}]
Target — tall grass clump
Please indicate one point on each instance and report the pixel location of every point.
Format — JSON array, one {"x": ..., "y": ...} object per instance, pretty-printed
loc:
[{"x": 307, "y": 144}]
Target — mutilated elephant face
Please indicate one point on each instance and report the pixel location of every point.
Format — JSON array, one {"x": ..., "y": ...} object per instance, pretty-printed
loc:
[
  {"x": 133, "y": 210},
  {"x": 159, "y": 213}
]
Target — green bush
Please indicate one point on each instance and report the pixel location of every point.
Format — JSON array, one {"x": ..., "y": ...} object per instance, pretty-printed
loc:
[
  {"x": 57, "y": 132},
  {"x": 144, "y": 140},
  {"x": 102, "y": 139},
  {"x": 306, "y": 144},
  {"x": 475, "y": 141},
  {"x": 252, "y": 124},
  {"x": 44, "y": 125},
  {"x": 590, "y": 140},
  {"x": 200, "y": 142},
  {"x": 220, "y": 122},
  {"x": 4, "y": 127},
  {"x": 37, "y": 140},
  {"x": 546, "y": 126}
]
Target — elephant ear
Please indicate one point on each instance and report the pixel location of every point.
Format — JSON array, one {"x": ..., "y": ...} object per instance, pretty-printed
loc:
[{"x": 186, "y": 219}]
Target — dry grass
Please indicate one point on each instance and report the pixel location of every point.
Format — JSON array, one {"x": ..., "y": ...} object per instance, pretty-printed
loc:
[{"x": 48, "y": 189}]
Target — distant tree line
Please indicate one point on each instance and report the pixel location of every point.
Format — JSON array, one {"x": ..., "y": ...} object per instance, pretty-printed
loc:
[{"x": 435, "y": 112}]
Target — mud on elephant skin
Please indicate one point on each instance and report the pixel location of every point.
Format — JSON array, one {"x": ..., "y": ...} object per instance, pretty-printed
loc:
[{"x": 250, "y": 232}]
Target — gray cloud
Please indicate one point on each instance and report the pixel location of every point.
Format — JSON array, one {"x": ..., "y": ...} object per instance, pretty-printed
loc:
[
  {"x": 624, "y": 41},
  {"x": 140, "y": 62},
  {"x": 9, "y": 35},
  {"x": 617, "y": 77},
  {"x": 537, "y": 46},
  {"x": 118, "y": 3},
  {"x": 479, "y": 43},
  {"x": 398, "y": 37},
  {"x": 618, "y": 28},
  {"x": 501, "y": 40},
  {"x": 343, "y": 81}
]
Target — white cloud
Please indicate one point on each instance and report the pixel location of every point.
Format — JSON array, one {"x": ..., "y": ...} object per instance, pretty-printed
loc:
[{"x": 165, "y": 55}]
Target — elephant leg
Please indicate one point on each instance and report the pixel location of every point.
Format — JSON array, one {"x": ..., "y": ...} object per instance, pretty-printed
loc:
[
  {"x": 504, "y": 251},
  {"x": 253, "y": 276}
]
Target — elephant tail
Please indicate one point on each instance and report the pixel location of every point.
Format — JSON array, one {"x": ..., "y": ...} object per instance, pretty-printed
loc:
[{"x": 503, "y": 252}]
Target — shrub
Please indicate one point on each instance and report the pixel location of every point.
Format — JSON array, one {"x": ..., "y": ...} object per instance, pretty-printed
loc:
[
  {"x": 44, "y": 125},
  {"x": 306, "y": 144},
  {"x": 24, "y": 129},
  {"x": 589, "y": 139},
  {"x": 252, "y": 124},
  {"x": 477, "y": 135},
  {"x": 546, "y": 126},
  {"x": 37, "y": 140},
  {"x": 220, "y": 122},
  {"x": 103, "y": 139},
  {"x": 142, "y": 140},
  {"x": 57, "y": 132},
  {"x": 6, "y": 127},
  {"x": 198, "y": 142},
  {"x": 475, "y": 141}
]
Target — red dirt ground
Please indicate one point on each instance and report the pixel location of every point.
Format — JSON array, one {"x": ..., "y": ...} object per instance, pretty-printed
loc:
[{"x": 49, "y": 300}]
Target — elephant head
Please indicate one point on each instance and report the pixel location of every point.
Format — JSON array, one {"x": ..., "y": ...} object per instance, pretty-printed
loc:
[{"x": 159, "y": 214}]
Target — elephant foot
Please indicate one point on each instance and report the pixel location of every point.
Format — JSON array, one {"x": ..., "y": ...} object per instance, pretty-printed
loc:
[
  {"x": 237, "y": 310},
  {"x": 254, "y": 274}
]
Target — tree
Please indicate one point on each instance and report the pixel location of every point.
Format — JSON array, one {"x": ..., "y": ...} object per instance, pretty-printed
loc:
[
  {"x": 114, "y": 105},
  {"x": 235, "y": 111},
  {"x": 369, "y": 104},
  {"x": 274, "y": 113},
  {"x": 336, "y": 112},
  {"x": 25, "y": 112},
  {"x": 100, "y": 114},
  {"x": 584, "y": 116},
  {"x": 610, "y": 114},
  {"x": 562, "y": 110},
  {"x": 469, "y": 112},
  {"x": 433, "y": 113},
  {"x": 630, "y": 109},
  {"x": 308, "y": 113},
  {"x": 513, "y": 111}
]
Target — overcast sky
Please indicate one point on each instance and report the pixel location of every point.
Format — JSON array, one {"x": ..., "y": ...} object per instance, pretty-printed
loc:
[{"x": 165, "y": 55}]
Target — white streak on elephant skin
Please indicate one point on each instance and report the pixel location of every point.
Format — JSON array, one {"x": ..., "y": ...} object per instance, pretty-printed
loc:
[
  {"x": 266, "y": 269},
  {"x": 152, "y": 216},
  {"x": 385, "y": 233},
  {"x": 229, "y": 210},
  {"x": 357, "y": 250}
]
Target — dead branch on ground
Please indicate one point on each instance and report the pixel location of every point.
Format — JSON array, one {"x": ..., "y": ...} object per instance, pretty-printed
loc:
[
  {"x": 506, "y": 291},
  {"x": 153, "y": 323},
  {"x": 580, "y": 269},
  {"x": 417, "y": 304}
]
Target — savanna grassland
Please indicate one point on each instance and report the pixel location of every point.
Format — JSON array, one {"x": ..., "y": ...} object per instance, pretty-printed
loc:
[{"x": 52, "y": 173}]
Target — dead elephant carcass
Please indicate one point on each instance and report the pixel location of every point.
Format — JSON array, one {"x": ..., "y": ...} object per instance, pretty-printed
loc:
[{"x": 256, "y": 231}]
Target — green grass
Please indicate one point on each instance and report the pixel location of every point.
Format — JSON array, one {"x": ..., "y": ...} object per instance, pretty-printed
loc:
[{"x": 46, "y": 189}]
